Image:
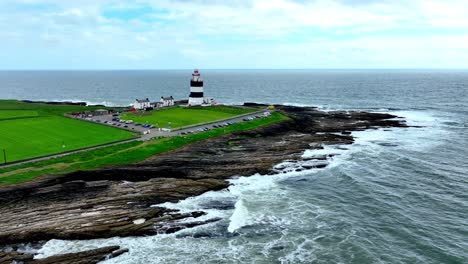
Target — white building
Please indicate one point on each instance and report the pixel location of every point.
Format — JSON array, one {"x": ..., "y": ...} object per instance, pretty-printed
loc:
[
  {"x": 167, "y": 101},
  {"x": 142, "y": 104}
]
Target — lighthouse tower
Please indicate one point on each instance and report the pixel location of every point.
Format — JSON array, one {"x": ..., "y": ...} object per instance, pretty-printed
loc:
[{"x": 196, "y": 89}]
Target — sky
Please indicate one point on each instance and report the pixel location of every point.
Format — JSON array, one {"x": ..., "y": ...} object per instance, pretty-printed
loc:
[{"x": 233, "y": 34}]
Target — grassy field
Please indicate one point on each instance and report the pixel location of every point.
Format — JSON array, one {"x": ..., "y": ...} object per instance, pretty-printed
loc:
[
  {"x": 44, "y": 109},
  {"x": 32, "y": 130},
  {"x": 121, "y": 154},
  {"x": 184, "y": 116},
  {"x": 14, "y": 114}
]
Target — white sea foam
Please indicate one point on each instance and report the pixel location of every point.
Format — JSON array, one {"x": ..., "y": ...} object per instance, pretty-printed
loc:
[
  {"x": 198, "y": 203},
  {"x": 239, "y": 218}
]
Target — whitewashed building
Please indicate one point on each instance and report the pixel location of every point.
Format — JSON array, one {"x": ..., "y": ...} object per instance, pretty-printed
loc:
[
  {"x": 142, "y": 104},
  {"x": 167, "y": 101}
]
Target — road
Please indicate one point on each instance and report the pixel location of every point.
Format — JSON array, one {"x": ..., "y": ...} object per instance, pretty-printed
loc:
[{"x": 152, "y": 134}]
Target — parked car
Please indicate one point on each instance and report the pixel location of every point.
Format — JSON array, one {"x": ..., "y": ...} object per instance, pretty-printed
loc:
[
  {"x": 137, "y": 124},
  {"x": 105, "y": 122},
  {"x": 125, "y": 126}
]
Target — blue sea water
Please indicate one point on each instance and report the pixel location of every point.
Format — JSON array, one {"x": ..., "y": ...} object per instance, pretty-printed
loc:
[{"x": 395, "y": 196}]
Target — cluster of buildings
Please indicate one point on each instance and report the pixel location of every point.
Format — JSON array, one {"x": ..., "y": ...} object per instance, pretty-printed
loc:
[
  {"x": 196, "y": 96},
  {"x": 142, "y": 104}
]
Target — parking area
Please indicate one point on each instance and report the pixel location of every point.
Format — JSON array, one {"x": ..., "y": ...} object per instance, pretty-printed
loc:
[
  {"x": 148, "y": 131},
  {"x": 114, "y": 120},
  {"x": 220, "y": 124}
]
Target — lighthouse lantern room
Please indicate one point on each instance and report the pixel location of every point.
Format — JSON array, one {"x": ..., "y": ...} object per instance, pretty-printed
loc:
[{"x": 196, "y": 89}]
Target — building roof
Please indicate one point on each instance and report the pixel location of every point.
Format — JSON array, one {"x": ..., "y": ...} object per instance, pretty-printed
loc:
[{"x": 143, "y": 100}]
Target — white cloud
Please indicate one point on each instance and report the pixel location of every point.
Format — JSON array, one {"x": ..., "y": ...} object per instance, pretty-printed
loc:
[{"x": 236, "y": 34}]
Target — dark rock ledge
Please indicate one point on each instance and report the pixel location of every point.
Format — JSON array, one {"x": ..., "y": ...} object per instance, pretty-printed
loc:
[
  {"x": 116, "y": 201},
  {"x": 84, "y": 257}
]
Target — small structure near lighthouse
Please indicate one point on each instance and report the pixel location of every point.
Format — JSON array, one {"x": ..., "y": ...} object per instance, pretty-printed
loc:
[{"x": 196, "y": 96}]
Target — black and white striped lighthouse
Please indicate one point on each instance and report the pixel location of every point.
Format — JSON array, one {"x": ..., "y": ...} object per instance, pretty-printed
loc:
[{"x": 196, "y": 89}]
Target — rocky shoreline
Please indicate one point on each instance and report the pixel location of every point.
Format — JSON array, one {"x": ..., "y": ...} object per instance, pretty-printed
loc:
[{"x": 116, "y": 201}]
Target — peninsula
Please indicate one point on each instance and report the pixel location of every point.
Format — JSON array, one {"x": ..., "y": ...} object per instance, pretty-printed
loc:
[{"x": 114, "y": 198}]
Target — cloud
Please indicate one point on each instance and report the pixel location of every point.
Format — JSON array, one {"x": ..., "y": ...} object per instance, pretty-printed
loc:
[{"x": 234, "y": 34}]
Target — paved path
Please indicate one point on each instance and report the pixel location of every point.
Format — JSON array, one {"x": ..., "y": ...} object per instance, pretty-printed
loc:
[{"x": 154, "y": 133}]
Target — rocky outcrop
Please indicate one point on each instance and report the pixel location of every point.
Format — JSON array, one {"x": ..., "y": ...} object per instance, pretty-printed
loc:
[
  {"x": 79, "y": 209},
  {"x": 116, "y": 201},
  {"x": 84, "y": 257}
]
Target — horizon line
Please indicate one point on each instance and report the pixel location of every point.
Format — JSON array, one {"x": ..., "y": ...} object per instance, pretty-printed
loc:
[{"x": 183, "y": 69}]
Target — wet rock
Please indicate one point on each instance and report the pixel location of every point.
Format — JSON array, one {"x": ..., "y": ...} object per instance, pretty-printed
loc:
[
  {"x": 84, "y": 257},
  {"x": 316, "y": 157},
  {"x": 118, "y": 252},
  {"x": 219, "y": 205},
  {"x": 385, "y": 144}
]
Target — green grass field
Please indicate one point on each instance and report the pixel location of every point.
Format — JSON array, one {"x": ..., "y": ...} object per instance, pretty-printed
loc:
[
  {"x": 183, "y": 116},
  {"x": 14, "y": 114},
  {"x": 32, "y": 130}
]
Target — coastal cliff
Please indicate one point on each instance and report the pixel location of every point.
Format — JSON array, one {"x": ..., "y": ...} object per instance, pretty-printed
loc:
[{"x": 117, "y": 201}]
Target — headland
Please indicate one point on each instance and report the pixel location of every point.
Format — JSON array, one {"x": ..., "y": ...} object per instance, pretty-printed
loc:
[{"x": 118, "y": 199}]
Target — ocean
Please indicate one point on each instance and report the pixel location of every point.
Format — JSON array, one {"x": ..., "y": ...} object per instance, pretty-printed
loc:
[{"x": 396, "y": 195}]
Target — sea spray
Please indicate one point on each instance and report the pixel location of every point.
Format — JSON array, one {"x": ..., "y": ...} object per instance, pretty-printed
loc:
[{"x": 239, "y": 218}]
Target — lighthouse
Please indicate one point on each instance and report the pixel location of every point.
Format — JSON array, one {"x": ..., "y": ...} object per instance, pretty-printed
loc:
[{"x": 196, "y": 89}]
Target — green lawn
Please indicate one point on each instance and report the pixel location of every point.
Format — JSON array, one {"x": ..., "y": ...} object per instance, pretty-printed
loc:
[
  {"x": 13, "y": 114},
  {"x": 32, "y": 130},
  {"x": 44, "y": 109},
  {"x": 184, "y": 116}
]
